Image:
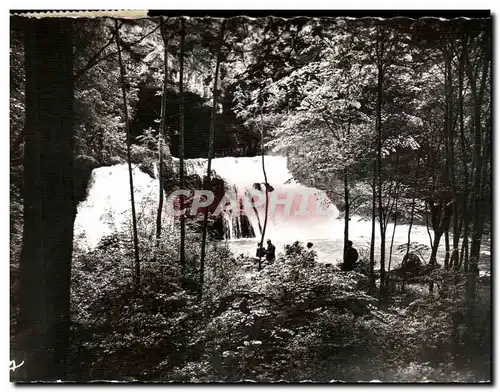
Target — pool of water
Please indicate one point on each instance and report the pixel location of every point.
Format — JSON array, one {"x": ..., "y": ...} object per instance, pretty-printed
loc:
[{"x": 331, "y": 250}]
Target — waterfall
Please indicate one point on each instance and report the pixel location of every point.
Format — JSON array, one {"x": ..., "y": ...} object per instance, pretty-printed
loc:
[
  {"x": 107, "y": 207},
  {"x": 240, "y": 175}
]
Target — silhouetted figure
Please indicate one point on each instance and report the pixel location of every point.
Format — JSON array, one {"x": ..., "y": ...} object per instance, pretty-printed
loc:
[
  {"x": 270, "y": 251},
  {"x": 350, "y": 258},
  {"x": 309, "y": 245}
]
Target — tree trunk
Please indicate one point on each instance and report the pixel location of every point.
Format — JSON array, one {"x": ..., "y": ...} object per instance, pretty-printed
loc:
[
  {"x": 181, "y": 147},
  {"x": 438, "y": 233},
  {"x": 49, "y": 200},
  {"x": 438, "y": 225},
  {"x": 209, "y": 164},
  {"x": 346, "y": 216},
  {"x": 161, "y": 135},
  {"x": 266, "y": 184},
  {"x": 450, "y": 132},
  {"x": 435, "y": 246},
  {"x": 464, "y": 253},
  {"x": 381, "y": 212},
  {"x": 137, "y": 266},
  {"x": 373, "y": 285},
  {"x": 427, "y": 228},
  {"x": 464, "y": 257},
  {"x": 392, "y": 238},
  {"x": 412, "y": 213},
  {"x": 447, "y": 263},
  {"x": 347, "y": 202}
]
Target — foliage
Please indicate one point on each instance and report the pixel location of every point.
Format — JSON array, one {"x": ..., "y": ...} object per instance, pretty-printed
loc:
[{"x": 112, "y": 323}]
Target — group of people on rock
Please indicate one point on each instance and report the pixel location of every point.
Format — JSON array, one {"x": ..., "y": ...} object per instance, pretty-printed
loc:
[{"x": 350, "y": 257}]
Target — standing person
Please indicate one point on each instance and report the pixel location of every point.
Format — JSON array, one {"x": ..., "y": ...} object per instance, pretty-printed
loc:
[
  {"x": 350, "y": 258},
  {"x": 270, "y": 251}
]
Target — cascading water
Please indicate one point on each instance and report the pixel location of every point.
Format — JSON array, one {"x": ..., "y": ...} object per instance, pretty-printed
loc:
[
  {"x": 107, "y": 208},
  {"x": 302, "y": 220}
]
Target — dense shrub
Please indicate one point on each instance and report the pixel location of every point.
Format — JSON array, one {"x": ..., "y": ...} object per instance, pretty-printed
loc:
[{"x": 296, "y": 319}]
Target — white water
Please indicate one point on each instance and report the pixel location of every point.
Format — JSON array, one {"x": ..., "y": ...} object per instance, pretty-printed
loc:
[
  {"x": 107, "y": 209},
  {"x": 241, "y": 173}
]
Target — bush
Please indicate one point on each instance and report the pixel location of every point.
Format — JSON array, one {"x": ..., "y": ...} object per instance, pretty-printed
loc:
[
  {"x": 294, "y": 320},
  {"x": 280, "y": 323},
  {"x": 113, "y": 323}
]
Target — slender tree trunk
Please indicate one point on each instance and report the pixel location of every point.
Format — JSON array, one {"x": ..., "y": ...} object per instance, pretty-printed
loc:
[
  {"x": 137, "y": 266},
  {"x": 347, "y": 213},
  {"x": 433, "y": 262},
  {"x": 392, "y": 238},
  {"x": 373, "y": 285},
  {"x": 428, "y": 230},
  {"x": 447, "y": 263},
  {"x": 181, "y": 147},
  {"x": 266, "y": 184},
  {"x": 347, "y": 202},
  {"x": 208, "y": 181},
  {"x": 464, "y": 253},
  {"x": 464, "y": 257},
  {"x": 450, "y": 132},
  {"x": 43, "y": 329},
  {"x": 412, "y": 213},
  {"x": 435, "y": 246},
  {"x": 438, "y": 226},
  {"x": 381, "y": 212},
  {"x": 161, "y": 135}
]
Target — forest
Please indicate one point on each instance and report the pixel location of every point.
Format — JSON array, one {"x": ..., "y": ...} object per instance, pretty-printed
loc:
[{"x": 389, "y": 119}]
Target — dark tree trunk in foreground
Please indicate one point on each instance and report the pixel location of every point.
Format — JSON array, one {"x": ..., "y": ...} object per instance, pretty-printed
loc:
[
  {"x": 137, "y": 265},
  {"x": 161, "y": 135},
  {"x": 181, "y": 148},
  {"x": 208, "y": 180},
  {"x": 49, "y": 203}
]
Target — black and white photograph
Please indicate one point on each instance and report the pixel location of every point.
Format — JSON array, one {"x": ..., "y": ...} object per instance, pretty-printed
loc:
[{"x": 251, "y": 197}]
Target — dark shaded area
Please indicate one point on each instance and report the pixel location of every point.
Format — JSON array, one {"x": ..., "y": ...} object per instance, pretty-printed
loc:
[
  {"x": 231, "y": 137},
  {"x": 48, "y": 195}
]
